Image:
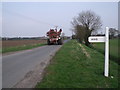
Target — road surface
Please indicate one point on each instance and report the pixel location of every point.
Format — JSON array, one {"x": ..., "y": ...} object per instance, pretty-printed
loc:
[{"x": 17, "y": 65}]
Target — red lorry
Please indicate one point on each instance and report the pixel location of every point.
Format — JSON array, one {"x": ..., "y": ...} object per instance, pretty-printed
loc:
[{"x": 54, "y": 37}]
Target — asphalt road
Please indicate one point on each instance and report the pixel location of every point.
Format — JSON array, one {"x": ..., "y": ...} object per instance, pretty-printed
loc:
[{"x": 16, "y": 65}]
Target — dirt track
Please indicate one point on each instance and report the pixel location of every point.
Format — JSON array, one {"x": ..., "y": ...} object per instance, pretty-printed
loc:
[{"x": 11, "y": 43}]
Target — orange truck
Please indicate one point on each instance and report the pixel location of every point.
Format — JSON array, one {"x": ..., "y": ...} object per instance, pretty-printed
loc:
[{"x": 54, "y": 37}]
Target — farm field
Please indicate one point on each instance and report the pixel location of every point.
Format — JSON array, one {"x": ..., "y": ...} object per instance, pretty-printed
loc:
[
  {"x": 12, "y": 43},
  {"x": 17, "y": 45},
  {"x": 113, "y": 48}
]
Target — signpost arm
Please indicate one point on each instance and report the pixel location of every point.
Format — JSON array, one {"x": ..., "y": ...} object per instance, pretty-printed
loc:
[{"x": 106, "y": 69}]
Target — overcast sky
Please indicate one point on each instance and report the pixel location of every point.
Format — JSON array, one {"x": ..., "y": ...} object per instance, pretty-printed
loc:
[{"x": 35, "y": 19}]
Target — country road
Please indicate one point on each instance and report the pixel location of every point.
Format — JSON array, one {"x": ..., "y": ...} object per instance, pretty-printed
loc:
[{"x": 17, "y": 65}]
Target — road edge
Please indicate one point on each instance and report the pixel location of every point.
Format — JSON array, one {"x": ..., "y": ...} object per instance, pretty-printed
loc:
[{"x": 36, "y": 75}]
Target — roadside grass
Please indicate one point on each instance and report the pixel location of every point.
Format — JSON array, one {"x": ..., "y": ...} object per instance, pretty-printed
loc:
[
  {"x": 18, "y": 48},
  {"x": 113, "y": 49},
  {"x": 71, "y": 68}
]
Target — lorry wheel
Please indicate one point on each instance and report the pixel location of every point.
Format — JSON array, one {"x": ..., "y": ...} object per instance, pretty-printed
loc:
[
  {"x": 59, "y": 42},
  {"x": 48, "y": 42}
]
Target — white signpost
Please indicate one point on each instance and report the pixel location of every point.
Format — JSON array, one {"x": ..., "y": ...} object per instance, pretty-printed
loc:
[
  {"x": 96, "y": 39},
  {"x": 106, "y": 40}
]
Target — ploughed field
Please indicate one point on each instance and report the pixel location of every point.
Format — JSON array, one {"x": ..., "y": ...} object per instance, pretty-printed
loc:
[{"x": 12, "y": 43}]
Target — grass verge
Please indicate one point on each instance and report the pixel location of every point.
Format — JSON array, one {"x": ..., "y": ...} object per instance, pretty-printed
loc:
[
  {"x": 18, "y": 48},
  {"x": 71, "y": 68}
]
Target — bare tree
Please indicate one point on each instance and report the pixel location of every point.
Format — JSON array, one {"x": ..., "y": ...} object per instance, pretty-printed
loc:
[
  {"x": 113, "y": 32},
  {"x": 90, "y": 21}
]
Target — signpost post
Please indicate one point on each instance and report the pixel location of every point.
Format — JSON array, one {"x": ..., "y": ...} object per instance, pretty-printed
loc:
[
  {"x": 106, "y": 40},
  {"x": 106, "y": 69}
]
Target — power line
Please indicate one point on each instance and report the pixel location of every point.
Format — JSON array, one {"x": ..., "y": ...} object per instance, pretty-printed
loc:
[
  {"x": 34, "y": 20},
  {"x": 30, "y": 18}
]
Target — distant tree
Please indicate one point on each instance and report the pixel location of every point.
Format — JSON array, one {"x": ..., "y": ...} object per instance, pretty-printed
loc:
[
  {"x": 113, "y": 32},
  {"x": 85, "y": 24},
  {"x": 119, "y": 36},
  {"x": 73, "y": 36}
]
